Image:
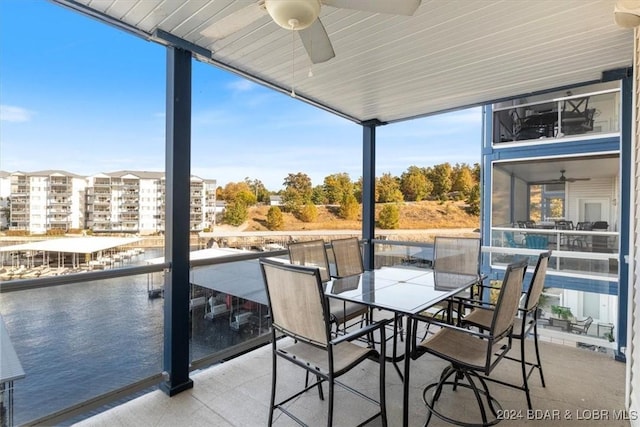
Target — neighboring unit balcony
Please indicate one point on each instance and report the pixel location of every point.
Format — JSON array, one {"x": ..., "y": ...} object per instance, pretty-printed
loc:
[
  {"x": 58, "y": 210},
  {"x": 559, "y": 117},
  {"x": 590, "y": 254}
]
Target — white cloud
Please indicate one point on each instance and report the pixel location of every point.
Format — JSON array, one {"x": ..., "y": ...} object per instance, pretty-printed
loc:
[
  {"x": 241, "y": 85},
  {"x": 10, "y": 113}
]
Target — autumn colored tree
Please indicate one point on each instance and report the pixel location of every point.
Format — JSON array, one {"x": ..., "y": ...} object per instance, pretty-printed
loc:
[
  {"x": 275, "y": 220},
  {"x": 308, "y": 213},
  {"x": 239, "y": 192},
  {"x": 349, "y": 207},
  {"x": 414, "y": 184},
  {"x": 297, "y": 191},
  {"x": 258, "y": 188},
  {"x": 336, "y": 186},
  {"x": 388, "y": 189},
  {"x": 463, "y": 180}
]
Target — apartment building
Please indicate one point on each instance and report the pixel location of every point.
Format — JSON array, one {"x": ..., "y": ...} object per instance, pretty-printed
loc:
[
  {"x": 5, "y": 193},
  {"x": 134, "y": 202},
  {"x": 115, "y": 202},
  {"x": 46, "y": 200}
]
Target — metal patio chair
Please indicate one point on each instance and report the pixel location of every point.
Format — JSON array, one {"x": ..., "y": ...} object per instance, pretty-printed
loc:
[
  {"x": 347, "y": 256},
  {"x": 299, "y": 310},
  {"x": 460, "y": 255},
  {"x": 474, "y": 355},
  {"x": 314, "y": 254},
  {"x": 525, "y": 323}
]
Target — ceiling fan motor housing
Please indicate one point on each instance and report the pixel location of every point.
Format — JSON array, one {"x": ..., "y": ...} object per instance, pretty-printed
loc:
[{"x": 293, "y": 14}]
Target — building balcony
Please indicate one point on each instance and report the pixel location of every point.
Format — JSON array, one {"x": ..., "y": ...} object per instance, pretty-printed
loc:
[
  {"x": 237, "y": 392},
  {"x": 591, "y": 113}
]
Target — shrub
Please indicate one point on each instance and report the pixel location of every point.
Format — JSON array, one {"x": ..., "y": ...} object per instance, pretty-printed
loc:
[
  {"x": 389, "y": 217},
  {"x": 235, "y": 213},
  {"x": 349, "y": 207},
  {"x": 308, "y": 213},
  {"x": 17, "y": 233},
  {"x": 275, "y": 220}
]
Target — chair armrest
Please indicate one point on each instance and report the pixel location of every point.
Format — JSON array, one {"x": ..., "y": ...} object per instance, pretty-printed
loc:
[
  {"x": 449, "y": 326},
  {"x": 474, "y": 303},
  {"x": 361, "y": 332}
]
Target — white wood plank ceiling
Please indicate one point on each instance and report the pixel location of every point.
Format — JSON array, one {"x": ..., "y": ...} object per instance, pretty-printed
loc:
[{"x": 449, "y": 54}]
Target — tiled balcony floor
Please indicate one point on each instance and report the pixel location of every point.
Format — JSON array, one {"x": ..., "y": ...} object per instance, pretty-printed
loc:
[{"x": 581, "y": 384}]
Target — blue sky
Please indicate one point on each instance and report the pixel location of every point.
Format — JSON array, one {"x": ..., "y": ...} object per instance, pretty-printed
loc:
[{"x": 79, "y": 95}]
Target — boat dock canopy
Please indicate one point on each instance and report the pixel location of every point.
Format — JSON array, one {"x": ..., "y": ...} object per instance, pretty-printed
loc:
[{"x": 81, "y": 245}]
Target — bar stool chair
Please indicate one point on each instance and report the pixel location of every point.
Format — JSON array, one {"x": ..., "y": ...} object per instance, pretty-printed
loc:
[{"x": 525, "y": 323}]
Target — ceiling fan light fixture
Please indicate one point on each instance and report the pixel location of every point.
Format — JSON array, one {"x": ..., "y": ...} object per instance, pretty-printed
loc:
[
  {"x": 293, "y": 14},
  {"x": 627, "y": 13}
]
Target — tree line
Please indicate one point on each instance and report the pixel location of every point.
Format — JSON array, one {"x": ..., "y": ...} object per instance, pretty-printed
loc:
[{"x": 440, "y": 182}]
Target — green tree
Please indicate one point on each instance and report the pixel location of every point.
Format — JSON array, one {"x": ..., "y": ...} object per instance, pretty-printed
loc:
[
  {"x": 440, "y": 176},
  {"x": 308, "y": 213},
  {"x": 388, "y": 189},
  {"x": 317, "y": 195},
  {"x": 336, "y": 186},
  {"x": 349, "y": 207},
  {"x": 414, "y": 184},
  {"x": 258, "y": 188},
  {"x": 275, "y": 220},
  {"x": 473, "y": 201},
  {"x": 235, "y": 213},
  {"x": 297, "y": 191},
  {"x": 389, "y": 218},
  {"x": 476, "y": 172}
]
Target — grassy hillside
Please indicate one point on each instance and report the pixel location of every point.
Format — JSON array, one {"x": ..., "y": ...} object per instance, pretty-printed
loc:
[{"x": 414, "y": 215}]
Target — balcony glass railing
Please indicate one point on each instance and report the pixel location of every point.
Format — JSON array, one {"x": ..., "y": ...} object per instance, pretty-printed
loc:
[
  {"x": 584, "y": 115},
  {"x": 99, "y": 335},
  {"x": 589, "y": 254}
]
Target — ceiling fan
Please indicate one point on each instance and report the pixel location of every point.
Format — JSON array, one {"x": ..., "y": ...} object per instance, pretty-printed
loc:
[
  {"x": 302, "y": 16},
  {"x": 561, "y": 180}
]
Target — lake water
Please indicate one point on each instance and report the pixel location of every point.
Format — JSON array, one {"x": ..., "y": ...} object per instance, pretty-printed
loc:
[{"x": 80, "y": 340}]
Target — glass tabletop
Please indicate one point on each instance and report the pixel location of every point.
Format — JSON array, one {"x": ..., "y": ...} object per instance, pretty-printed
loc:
[{"x": 398, "y": 289}]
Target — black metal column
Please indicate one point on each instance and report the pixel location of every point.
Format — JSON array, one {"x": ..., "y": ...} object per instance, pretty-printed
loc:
[
  {"x": 176, "y": 244},
  {"x": 368, "y": 190}
]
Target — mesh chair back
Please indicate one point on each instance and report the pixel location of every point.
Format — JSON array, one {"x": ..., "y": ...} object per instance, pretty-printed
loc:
[
  {"x": 296, "y": 300},
  {"x": 457, "y": 255},
  {"x": 311, "y": 254},
  {"x": 507, "y": 304},
  {"x": 537, "y": 282},
  {"x": 348, "y": 257}
]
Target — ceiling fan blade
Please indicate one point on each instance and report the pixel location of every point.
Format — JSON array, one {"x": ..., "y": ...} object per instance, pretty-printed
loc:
[
  {"x": 235, "y": 21},
  {"x": 317, "y": 43},
  {"x": 547, "y": 182},
  {"x": 395, "y": 7},
  {"x": 578, "y": 179}
]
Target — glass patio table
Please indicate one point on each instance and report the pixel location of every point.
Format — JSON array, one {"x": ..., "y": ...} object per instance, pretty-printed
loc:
[{"x": 405, "y": 291}]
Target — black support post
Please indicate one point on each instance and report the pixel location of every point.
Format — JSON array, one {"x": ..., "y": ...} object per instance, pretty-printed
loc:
[
  {"x": 176, "y": 245},
  {"x": 368, "y": 190}
]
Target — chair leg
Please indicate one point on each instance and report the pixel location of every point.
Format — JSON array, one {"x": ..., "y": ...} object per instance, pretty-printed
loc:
[
  {"x": 444, "y": 376},
  {"x": 535, "y": 342},
  {"x": 382, "y": 362},
  {"x": 476, "y": 393},
  {"x": 523, "y": 367},
  {"x": 331, "y": 394},
  {"x": 273, "y": 382}
]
